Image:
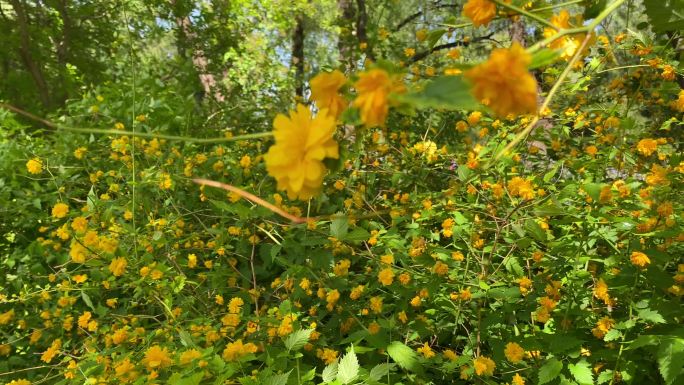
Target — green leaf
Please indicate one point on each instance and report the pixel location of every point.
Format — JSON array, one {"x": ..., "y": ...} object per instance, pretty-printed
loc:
[
  {"x": 445, "y": 92},
  {"x": 86, "y": 299},
  {"x": 651, "y": 316},
  {"x": 379, "y": 371},
  {"x": 665, "y": 15},
  {"x": 544, "y": 57},
  {"x": 329, "y": 373},
  {"x": 594, "y": 190},
  {"x": 671, "y": 359},
  {"x": 434, "y": 37},
  {"x": 348, "y": 368},
  {"x": 582, "y": 372},
  {"x": 592, "y": 8},
  {"x": 298, "y": 339},
  {"x": 357, "y": 235},
  {"x": 550, "y": 371},
  {"x": 277, "y": 379},
  {"x": 339, "y": 226},
  {"x": 195, "y": 379},
  {"x": 404, "y": 356}
]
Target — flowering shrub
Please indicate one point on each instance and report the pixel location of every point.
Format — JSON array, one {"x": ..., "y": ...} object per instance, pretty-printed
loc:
[{"x": 399, "y": 227}]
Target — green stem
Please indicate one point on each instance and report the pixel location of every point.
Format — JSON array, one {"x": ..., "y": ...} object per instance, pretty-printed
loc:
[
  {"x": 557, "y": 5},
  {"x": 167, "y": 137},
  {"x": 622, "y": 68},
  {"x": 525, "y": 13}
]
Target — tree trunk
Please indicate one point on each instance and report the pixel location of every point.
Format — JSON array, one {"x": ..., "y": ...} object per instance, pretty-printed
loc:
[
  {"x": 345, "y": 50},
  {"x": 26, "y": 56},
  {"x": 298, "y": 56}
]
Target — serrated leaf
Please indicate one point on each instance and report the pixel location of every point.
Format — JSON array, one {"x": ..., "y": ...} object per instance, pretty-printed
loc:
[
  {"x": 612, "y": 335},
  {"x": 329, "y": 373},
  {"x": 651, "y": 316},
  {"x": 445, "y": 92},
  {"x": 582, "y": 372},
  {"x": 379, "y": 371},
  {"x": 550, "y": 371},
  {"x": 277, "y": 379},
  {"x": 671, "y": 359},
  {"x": 339, "y": 226},
  {"x": 403, "y": 356},
  {"x": 195, "y": 379},
  {"x": 348, "y": 368},
  {"x": 298, "y": 339}
]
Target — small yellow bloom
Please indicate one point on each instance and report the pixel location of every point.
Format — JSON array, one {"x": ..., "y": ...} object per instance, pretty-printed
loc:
[
  {"x": 34, "y": 166},
  {"x": 514, "y": 352},
  {"x": 639, "y": 259},
  {"x": 118, "y": 266},
  {"x": 484, "y": 366},
  {"x": 60, "y": 210},
  {"x": 157, "y": 357}
]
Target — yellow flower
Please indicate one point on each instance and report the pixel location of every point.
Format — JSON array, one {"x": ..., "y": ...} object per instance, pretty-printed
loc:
[
  {"x": 325, "y": 89},
  {"x": 60, "y": 210},
  {"x": 484, "y": 366},
  {"x": 514, "y": 352},
  {"x": 374, "y": 87},
  {"x": 302, "y": 142},
  {"x": 189, "y": 356},
  {"x": 6, "y": 317},
  {"x": 518, "y": 380},
  {"x": 157, "y": 357},
  {"x": 79, "y": 152},
  {"x": 118, "y": 266},
  {"x": 79, "y": 224},
  {"x": 235, "y": 350},
  {"x": 639, "y": 259},
  {"x": 481, "y": 12},
  {"x": 504, "y": 83},
  {"x": 34, "y": 166},
  {"x": 568, "y": 44},
  {"x": 426, "y": 350},
  {"x": 19, "y": 382},
  {"x": 386, "y": 276},
  {"x": 647, "y": 146}
]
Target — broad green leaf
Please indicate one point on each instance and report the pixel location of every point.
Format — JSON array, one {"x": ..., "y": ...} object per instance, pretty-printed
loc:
[
  {"x": 544, "y": 57},
  {"x": 651, "y": 316},
  {"x": 329, "y": 373},
  {"x": 665, "y": 15},
  {"x": 550, "y": 371},
  {"x": 277, "y": 379},
  {"x": 582, "y": 372},
  {"x": 445, "y": 92},
  {"x": 434, "y": 37},
  {"x": 593, "y": 190},
  {"x": 298, "y": 339},
  {"x": 379, "y": 371},
  {"x": 348, "y": 368},
  {"x": 339, "y": 226},
  {"x": 404, "y": 356},
  {"x": 671, "y": 359},
  {"x": 592, "y": 8},
  {"x": 195, "y": 379}
]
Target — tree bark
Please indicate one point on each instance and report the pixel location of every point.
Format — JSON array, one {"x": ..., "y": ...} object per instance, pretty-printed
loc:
[
  {"x": 25, "y": 53},
  {"x": 346, "y": 52},
  {"x": 298, "y": 56}
]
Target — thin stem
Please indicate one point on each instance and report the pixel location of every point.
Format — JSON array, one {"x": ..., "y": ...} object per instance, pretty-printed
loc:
[
  {"x": 622, "y": 67},
  {"x": 570, "y": 31},
  {"x": 525, "y": 13},
  {"x": 132, "y": 133}
]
